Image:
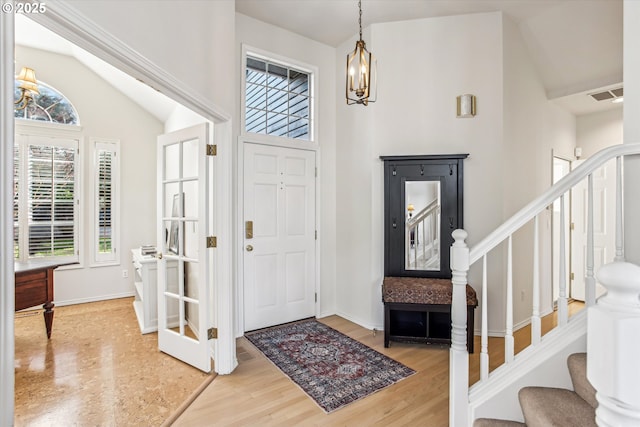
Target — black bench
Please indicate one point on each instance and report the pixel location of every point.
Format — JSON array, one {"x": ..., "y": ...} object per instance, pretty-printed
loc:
[{"x": 418, "y": 309}]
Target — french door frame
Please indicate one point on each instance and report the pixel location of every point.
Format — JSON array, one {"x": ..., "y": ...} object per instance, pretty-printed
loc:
[{"x": 67, "y": 22}]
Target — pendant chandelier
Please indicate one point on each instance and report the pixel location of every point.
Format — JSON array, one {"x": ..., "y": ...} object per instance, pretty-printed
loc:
[{"x": 361, "y": 72}]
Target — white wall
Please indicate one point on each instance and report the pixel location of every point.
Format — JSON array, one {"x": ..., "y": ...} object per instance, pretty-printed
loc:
[
  {"x": 533, "y": 129},
  {"x": 423, "y": 65},
  {"x": 190, "y": 39},
  {"x": 632, "y": 128},
  {"x": 286, "y": 45},
  {"x": 419, "y": 78},
  {"x": 599, "y": 130},
  {"x": 104, "y": 113}
]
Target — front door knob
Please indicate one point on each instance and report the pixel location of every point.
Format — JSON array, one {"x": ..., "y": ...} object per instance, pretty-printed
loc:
[{"x": 249, "y": 248}]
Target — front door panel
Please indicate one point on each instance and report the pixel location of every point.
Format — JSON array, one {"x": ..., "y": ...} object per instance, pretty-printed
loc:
[{"x": 279, "y": 252}]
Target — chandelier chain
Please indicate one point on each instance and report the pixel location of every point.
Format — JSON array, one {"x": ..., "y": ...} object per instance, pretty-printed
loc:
[{"x": 360, "y": 17}]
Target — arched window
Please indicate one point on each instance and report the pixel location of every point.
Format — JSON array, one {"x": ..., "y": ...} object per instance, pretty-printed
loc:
[{"x": 48, "y": 106}]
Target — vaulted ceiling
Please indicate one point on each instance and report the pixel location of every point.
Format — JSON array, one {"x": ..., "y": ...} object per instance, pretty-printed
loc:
[{"x": 576, "y": 45}]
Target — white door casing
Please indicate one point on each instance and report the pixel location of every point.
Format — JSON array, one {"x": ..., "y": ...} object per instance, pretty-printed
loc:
[
  {"x": 279, "y": 254},
  {"x": 184, "y": 222},
  {"x": 604, "y": 185}
]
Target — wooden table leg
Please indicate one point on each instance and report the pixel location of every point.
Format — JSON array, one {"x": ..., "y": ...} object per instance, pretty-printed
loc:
[{"x": 48, "y": 317}]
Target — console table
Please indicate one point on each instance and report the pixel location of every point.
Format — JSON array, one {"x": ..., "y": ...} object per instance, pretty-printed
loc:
[{"x": 34, "y": 286}]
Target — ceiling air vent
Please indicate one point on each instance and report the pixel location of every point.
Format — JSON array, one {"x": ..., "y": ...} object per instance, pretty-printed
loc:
[{"x": 607, "y": 94}]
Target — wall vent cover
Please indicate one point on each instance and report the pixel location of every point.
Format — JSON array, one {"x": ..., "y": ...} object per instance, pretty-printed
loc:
[{"x": 607, "y": 94}]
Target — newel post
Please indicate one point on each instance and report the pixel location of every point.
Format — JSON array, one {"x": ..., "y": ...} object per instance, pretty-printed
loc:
[
  {"x": 458, "y": 355},
  {"x": 613, "y": 346}
]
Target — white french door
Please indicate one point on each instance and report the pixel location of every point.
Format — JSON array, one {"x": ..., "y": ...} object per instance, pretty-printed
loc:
[
  {"x": 184, "y": 263},
  {"x": 279, "y": 235}
]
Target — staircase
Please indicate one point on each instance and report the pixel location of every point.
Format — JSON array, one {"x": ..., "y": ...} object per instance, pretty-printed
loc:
[
  {"x": 547, "y": 406},
  {"x": 527, "y": 386}
]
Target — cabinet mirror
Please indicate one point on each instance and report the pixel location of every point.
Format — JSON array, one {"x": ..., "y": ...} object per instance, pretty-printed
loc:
[{"x": 422, "y": 225}]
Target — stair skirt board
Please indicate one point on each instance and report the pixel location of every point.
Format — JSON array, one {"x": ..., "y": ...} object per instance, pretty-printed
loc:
[{"x": 545, "y": 365}]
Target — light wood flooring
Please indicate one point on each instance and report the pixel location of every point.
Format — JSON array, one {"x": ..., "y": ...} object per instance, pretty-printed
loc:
[
  {"x": 96, "y": 370},
  {"x": 258, "y": 394}
]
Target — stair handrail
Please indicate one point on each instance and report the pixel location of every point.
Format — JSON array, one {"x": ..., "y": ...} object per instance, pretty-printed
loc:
[
  {"x": 528, "y": 212},
  {"x": 462, "y": 257},
  {"x": 423, "y": 213}
]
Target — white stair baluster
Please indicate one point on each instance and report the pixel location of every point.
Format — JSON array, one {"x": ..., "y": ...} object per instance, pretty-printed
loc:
[
  {"x": 619, "y": 221},
  {"x": 563, "y": 315},
  {"x": 508, "y": 338},
  {"x": 589, "y": 279},
  {"x": 484, "y": 333},
  {"x": 407, "y": 242},
  {"x": 536, "y": 332},
  {"x": 416, "y": 230},
  {"x": 424, "y": 239}
]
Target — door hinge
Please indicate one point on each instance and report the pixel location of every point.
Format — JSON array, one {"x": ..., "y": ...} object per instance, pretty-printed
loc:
[
  {"x": 573, "y": 226},
  {"x": 316, "y": 171},
  {"x": 573, "y": 276},
  {"x": 316, "y": 294},
  {"x": 316, "y": 234},
  {"x": 212, "y": 242},
  {"x": 212, "y": 333},
  {"x": 212, "y": 150}
]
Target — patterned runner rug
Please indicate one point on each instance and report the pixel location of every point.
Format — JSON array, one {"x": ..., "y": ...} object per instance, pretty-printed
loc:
[{"x": 333, "y": 369}]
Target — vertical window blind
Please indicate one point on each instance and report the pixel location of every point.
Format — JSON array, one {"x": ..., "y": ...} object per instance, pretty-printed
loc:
[
  {"x": 45, "y": 189},
  {"x": 105, "y": 199},
  {"x": 105, "y": 238}
]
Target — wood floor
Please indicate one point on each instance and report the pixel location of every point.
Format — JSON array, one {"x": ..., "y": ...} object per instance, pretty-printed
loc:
[
  {"x": 96, "y": 370},
  {"x": 258, "y": 394}
]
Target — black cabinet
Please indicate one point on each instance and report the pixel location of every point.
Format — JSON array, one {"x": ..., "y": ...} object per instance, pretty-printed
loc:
[{"x": 423, "y": 202}]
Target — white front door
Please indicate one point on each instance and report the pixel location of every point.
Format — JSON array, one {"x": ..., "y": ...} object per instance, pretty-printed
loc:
[
  {"x": 604, "y": 206},
  {"x": 279, "y": 235},
  {"x": 184, "y": 222}
]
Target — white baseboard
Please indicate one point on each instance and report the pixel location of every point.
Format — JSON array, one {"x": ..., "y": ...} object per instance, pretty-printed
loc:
[
  {"x": 93, "y": 299},
  {"x": 360, "y": 322}
]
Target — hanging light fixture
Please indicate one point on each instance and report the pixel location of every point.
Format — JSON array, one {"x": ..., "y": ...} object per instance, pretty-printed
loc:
[
  {"x": 28, "y": 86},
  {"x": 361, "y": 71}
]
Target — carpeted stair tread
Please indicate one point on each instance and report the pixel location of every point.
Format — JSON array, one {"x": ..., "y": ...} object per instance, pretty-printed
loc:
[
  {"x": 490, "y": 422},
  {"x": 577, "y": 364},
  {"x": 555, "y": 407}
]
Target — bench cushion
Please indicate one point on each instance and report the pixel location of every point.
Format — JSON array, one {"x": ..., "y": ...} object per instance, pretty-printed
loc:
[{"x": 421, "y": 290}]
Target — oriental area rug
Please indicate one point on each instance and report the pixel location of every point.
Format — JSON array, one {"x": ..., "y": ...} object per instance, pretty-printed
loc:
[{"x": 333, "y": 369}]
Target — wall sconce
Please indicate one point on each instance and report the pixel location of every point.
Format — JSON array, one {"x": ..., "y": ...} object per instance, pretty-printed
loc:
[
  {"x": 28, "y": 86},
  {"x": 466, "y": 106},
  {"x": 361, "y": 72}
]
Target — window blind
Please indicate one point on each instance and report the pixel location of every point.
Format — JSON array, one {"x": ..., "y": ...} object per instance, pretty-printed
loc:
[
  {"x": 106, "y": 222},
  {"x": 51, "y": 201}
]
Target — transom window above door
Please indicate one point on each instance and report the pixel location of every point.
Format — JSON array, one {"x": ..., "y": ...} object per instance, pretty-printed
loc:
[{"x": 277, "y": 100}]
